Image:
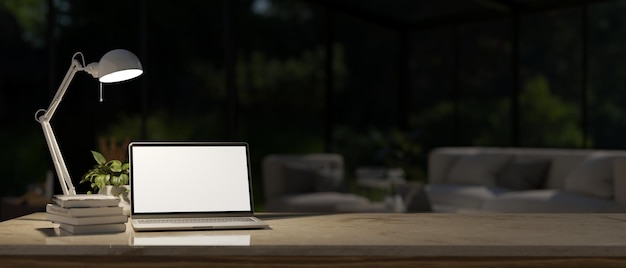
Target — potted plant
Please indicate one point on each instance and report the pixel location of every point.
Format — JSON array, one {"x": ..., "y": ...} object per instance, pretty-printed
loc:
[
  {"x": 112, "y": 172},
  {"x": 109, "y": 177}
]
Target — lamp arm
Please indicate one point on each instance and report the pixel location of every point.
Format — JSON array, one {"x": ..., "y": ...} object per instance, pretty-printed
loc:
[
  {"x": 59, "y": 163},
  {"x": 74, "y": 67},
  {"x": 57, "y": 158}
]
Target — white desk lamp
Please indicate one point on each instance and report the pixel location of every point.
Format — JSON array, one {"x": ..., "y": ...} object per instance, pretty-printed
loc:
[{"x": 115, "y": 66}]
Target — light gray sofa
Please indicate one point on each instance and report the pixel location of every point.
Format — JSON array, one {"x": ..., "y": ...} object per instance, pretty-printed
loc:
[{"x": 526, "y": 180}]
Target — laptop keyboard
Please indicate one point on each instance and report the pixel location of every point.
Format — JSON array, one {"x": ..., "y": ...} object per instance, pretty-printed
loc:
[{"x": 195, "y": 220}]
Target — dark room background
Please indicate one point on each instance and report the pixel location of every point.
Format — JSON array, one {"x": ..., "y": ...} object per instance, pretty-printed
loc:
[{"x": 380, "y": 82}]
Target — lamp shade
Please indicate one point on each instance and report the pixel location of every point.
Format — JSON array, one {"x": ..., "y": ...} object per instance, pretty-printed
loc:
[{"x": 118, "y": 65}]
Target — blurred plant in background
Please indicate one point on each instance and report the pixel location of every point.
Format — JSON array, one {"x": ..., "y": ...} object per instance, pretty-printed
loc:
[
  {"x": 400, "y": 149},
  {"x": 393, "y": 148}
]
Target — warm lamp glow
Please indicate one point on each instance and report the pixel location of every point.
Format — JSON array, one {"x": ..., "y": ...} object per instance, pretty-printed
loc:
[{"x": 122, "y": 75}]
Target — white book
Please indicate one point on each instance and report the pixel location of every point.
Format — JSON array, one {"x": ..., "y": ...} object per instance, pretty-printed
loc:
[
  {"x": 86, "y": 200},
  {"x": 94, "y": 229},
  {"x": 86, "y": 220},
  {"x": 84, "y": 212}
]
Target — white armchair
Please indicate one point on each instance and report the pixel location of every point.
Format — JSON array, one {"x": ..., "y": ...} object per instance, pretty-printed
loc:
[{"x": 307, "y": 183}]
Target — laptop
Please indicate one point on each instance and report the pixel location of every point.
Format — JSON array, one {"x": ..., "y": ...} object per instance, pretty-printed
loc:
[{"x": 191, "y": 186}]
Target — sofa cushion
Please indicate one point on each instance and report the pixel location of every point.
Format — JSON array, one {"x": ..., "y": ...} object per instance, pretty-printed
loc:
[
  {"x": 548, "y": 201},
  {"x": 316, "y": 202},
  {"x": 461, "y": 195},
  {"x": 478, "y": 169},
  {"x": 594, "y": 177},
  {"x": 619, "y": 183},
  {"x": 524, "y": 174}
]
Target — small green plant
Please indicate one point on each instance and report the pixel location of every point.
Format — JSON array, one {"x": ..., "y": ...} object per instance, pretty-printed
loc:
[{"x": 112, "y": 172}]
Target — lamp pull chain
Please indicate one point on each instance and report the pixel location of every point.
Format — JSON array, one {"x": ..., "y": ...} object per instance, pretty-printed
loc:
[{"x": 101, "y": 99}]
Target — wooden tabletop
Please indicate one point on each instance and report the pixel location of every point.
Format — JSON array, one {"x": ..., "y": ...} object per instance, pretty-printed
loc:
[
  {"x": 357, "y": 239},
  {"x": 383, "y": 234}
]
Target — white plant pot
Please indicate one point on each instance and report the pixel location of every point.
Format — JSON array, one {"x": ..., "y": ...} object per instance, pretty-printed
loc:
[{"x": 123, "y": 192}]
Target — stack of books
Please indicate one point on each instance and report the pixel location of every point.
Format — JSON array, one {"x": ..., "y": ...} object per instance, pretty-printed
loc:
[{"x": 88, "y": 213}]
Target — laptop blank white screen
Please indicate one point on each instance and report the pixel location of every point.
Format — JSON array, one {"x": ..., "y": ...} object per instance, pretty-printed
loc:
[{"x": 172, "y": 178}]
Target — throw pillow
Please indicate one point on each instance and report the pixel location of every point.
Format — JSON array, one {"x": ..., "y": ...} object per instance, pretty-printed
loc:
[
  {"x": 522, "y": 175},
  {"x": 310, "y": 177},
  {"x": 330, "y": 178},
  {"x": 477, "y": 169},
  {"x": 593, "y": 177}
]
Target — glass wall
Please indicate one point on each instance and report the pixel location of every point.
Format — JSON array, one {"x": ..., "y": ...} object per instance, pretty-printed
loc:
[
  {"x": 365, "y": 97},
  {"x": 607, "y": 74},
  {"x": 257, "y": 70},
  {"x": 551, "y": 96},
  {"x": 280, "y": 80}
]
